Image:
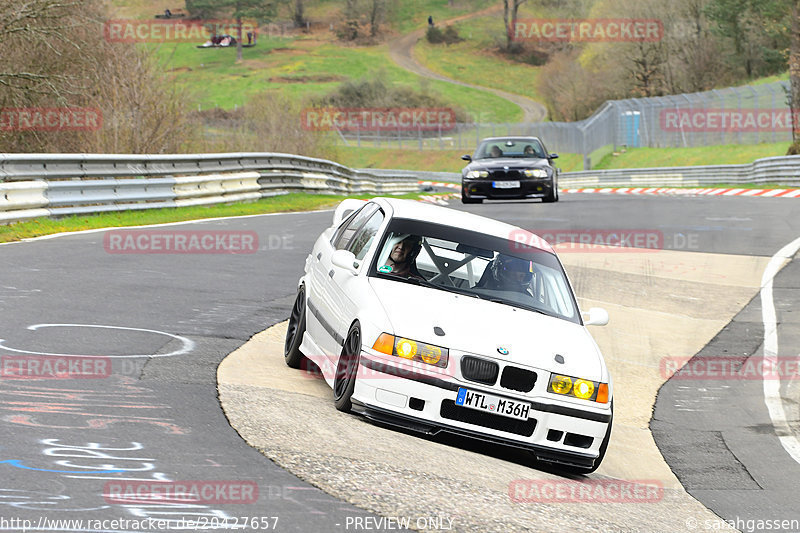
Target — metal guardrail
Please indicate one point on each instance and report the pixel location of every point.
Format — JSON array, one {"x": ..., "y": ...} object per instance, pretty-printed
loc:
[
  {"x": 41, "y": 185},
  {"x": 775, "y": 170}
]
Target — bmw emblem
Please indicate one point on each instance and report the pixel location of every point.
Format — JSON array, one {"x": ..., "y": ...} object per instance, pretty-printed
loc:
[{"x": 502, "y": 351}]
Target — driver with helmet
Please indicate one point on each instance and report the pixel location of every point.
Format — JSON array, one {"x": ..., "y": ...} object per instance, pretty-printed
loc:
[
  {"x": 509, "y": 273},
  {"x": 403, "y": 257}
]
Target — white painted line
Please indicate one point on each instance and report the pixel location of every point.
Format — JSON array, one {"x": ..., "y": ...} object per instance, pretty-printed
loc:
[
  {"x": 753, "y": 192},
  {"x": 188, "y": 344},
  {"x": 772, "y": 384},
  {"x": 773, "y": 192},
  {"x": 792, "y": 194}
]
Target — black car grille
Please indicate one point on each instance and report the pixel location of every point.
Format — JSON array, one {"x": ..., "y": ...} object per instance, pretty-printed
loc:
[
  {"x": 479, "y": 370},
  {"x": 451, "y": 411},
  {"x": 518, "y": 379},
  {"x": 502, "y": 175}
]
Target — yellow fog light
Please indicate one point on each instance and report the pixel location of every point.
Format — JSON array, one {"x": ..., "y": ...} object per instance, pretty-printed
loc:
[
  {"x": 583, "y": 389},
  {"x": 406, "y": 348},
  {"x": 560, "y": 384},
  {"x": 430, "y": 354}
]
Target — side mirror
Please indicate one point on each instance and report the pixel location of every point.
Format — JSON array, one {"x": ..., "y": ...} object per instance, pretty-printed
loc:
[
  {"x": 553, "y": 156},
  {"x": 597, "y": 316},
  {"x": 466, "y": 157},
  {"x": 346, "y": 260}
]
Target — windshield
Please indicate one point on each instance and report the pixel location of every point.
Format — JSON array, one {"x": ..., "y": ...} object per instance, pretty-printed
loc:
[
  {"x": 515, "y": 148},
  {"x": 474, "y": 264}
]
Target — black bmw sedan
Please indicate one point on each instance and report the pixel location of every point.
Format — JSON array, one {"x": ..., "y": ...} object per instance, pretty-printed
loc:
[{"x": 509, "y": 168}]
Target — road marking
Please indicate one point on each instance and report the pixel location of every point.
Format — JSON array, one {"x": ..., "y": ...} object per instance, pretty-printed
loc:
[
  {"x": 187, "y": 344},
  {"x": 16, "y": 463},
  {"x": 772, "y": 387}
]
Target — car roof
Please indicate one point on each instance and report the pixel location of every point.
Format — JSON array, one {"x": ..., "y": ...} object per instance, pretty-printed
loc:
[
  {"x": 427, "y": 212},
  {"x": 510, "y": 137}
]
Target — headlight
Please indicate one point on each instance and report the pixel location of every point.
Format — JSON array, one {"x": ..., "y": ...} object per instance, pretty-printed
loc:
[
  {"x": 472, "y": 174},
  {"x": 411, "y": 350},
  {"x": 536, "y": 173},
  {"x": 578, "y": 388}
]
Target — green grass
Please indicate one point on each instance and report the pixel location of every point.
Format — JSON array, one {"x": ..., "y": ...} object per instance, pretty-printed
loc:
[
  {"x": 278, "y": 204},
  {"x": 430, "y": 160},
  {"x": 303, "y": 68},
  {"x": 409, "y": 15},
  {"x": 731, "y": 154},
  {"x": 472, "y": 61}
]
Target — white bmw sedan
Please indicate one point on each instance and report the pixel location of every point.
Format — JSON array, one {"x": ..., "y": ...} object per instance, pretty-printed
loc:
[{"x": 438, "y": 320}]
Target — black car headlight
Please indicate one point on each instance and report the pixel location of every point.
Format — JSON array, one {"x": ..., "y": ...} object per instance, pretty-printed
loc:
[
  {"x": 535, "y": 173},
  {"x": 472, "y": 174}
]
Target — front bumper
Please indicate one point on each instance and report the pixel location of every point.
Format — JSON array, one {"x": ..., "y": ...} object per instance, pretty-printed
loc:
[
  {"x": 484, "y": 189},
  {"x": 391, "y": 395}
]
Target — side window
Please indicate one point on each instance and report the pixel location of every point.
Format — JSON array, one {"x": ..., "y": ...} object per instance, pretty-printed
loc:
[
  {"x": 362, "y": 240},
  {"x": 344, "y": 234}
]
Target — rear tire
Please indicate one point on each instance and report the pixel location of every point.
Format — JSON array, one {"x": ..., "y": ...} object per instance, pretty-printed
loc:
[
  {"x": 295, "y": 330},
  {"x": 344, "y": 382}
]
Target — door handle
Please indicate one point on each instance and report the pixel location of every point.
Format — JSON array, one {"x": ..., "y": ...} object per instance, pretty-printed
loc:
[
  {"x": 331, "y": 273},
  {"x": 319, "y": 255}
]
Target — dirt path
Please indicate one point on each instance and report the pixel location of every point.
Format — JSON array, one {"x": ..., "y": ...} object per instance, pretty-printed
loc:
[{"x": 401, "y": 52}]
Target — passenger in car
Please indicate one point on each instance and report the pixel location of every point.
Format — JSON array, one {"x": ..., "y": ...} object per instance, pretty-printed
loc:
[
  {"x": 403, "y": 257},
  {"x": 529, "y": 151},
  {"x": 507, "y": 273},
  {"x": 495, "y": 152}
]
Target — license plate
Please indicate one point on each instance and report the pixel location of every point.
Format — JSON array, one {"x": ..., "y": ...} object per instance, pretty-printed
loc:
[
  {"x": 493, "y": 404},
  {"x": 506, "y": 185}
]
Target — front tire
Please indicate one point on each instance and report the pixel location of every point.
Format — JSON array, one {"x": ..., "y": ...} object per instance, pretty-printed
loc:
[
  {"x": 295, "y": 330},
  {"x": 345, "y": 381},
  {"x": 553, "y": 195}
]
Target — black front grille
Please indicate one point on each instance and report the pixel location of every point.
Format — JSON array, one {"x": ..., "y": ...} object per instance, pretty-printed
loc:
[
  {"x": 503, "y": 175},
  {"x": 479, "y": 370},
  {"x": 451, "y": 411},
  {"x": 518, "y": 379}
]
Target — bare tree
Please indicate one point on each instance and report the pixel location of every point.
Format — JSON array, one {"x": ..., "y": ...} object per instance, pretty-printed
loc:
[
  {"x": 299, "y": 14},
  {"x": 510, "y": 9}
]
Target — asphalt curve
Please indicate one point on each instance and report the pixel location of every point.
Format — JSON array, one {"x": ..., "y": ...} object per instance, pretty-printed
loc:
[{"x": 158, "y": 418}]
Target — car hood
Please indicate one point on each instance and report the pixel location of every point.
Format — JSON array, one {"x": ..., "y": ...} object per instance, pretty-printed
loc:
[
  {"x": 510, "y": 162},
  {"x": 481, "y": 327}
]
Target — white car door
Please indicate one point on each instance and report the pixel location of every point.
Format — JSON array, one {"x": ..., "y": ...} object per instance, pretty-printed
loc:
[
  {"x": 323, "y": 294},
  {"x": 343, "y": 285}
]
